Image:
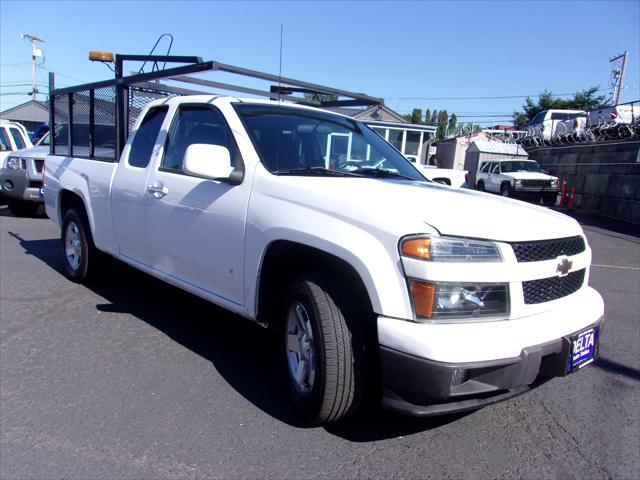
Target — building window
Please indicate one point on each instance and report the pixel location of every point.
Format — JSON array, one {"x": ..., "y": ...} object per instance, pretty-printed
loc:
[{"x": 395, "y": 138}]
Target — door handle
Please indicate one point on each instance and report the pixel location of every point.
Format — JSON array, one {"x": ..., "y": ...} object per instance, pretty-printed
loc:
[{"x": 158, "y": 189}]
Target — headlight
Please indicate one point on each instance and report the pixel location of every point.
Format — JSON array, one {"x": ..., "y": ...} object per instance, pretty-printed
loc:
[
  {"x": 448, "y": 300},
  {"x": 517, "y": 183},
  {"x": 554, "y": 183},
  {"x": 448, "y": 249},
  {"x": 13, "y": 163}
]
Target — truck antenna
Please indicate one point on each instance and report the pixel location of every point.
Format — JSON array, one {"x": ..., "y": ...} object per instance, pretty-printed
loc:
[{"x": 280, "y": 67}]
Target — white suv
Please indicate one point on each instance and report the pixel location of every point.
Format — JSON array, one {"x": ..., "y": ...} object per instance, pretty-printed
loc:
[
  {"x": 517, "y": 178},
  {"x": 548, "y": 123}
]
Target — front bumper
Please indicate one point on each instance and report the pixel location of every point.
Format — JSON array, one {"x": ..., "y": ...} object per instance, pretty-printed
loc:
[
  {"x": 535, "y": 192},
  {"x": 435, "y": 369},
  {"x": 16, "y": 184}
]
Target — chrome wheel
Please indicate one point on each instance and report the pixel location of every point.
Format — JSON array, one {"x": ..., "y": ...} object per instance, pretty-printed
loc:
[
  {"x": 300, "y": 348},
  {"x": 73, "y": 246}
]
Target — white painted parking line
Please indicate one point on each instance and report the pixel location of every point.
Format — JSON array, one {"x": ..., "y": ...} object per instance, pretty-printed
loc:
[{"x": 615, "y": 266}]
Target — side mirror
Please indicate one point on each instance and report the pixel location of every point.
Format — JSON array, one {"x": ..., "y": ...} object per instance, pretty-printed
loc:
[{"x": 207, "y": 161}]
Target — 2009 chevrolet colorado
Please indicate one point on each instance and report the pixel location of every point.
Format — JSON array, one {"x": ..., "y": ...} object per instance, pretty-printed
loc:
[{"x": 368, "y": 271}]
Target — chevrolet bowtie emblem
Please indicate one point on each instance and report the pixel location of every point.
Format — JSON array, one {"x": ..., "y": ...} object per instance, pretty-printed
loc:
[{"x": 563, "y": 266}]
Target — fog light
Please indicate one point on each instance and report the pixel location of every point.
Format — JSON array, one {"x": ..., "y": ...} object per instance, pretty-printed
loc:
[{"x": 459, "y": 376}]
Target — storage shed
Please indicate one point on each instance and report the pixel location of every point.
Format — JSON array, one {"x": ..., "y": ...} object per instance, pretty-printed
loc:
[{"x": 482, "y": 151}]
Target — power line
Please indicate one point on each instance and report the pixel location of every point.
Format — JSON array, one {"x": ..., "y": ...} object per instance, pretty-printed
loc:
[{"x": 491, "y": 97}]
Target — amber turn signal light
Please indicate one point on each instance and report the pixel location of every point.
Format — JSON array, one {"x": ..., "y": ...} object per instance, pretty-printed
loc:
[
  {"x": 423, "y": 295},
  {"x": 417, "y": 248}
]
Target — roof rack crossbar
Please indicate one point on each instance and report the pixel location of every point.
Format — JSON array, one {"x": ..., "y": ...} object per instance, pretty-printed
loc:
[{"x": 235, "y": 88}]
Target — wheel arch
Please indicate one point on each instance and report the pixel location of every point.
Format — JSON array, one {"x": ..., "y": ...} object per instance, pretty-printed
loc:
[
  {"x": 284, "y": 259},
  {"x": 68, "y": 199}
]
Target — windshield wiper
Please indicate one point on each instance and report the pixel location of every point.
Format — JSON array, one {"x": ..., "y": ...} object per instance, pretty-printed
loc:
[
  {"x": 314, "y": 171},
  {"x": 379, "y": 173}
]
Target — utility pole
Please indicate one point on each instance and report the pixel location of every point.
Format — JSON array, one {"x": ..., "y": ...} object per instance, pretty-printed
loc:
[
  {"x": 35, "y": 53},
  {"x": 618, "y": 75}
]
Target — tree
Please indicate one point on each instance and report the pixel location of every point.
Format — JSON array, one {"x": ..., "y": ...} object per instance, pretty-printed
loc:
[
  {"x": 583, "y": 100},
  {"x": 434, "y": 118},
  {"x": 453, "y": 120},
  {"x": 416, "y": 116},
  {"x": 427, "y": 117},
  {"x": 443, "y": 118}
]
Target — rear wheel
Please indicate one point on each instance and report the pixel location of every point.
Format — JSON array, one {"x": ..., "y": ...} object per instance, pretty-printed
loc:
[
  {"x": 323, "y": 363},
  {"x": 79, "y": 253},
  {"x": 22, "y": 208},
  {"x": 481, "y": 186}
]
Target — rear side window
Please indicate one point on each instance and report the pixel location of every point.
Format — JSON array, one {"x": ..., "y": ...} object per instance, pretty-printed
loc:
[
  {"x": 146, "y": 136},
  {"x": 5, "y": 144},
  {"x": 17, "y": 138},
  {"x": 196, "y": 124}
]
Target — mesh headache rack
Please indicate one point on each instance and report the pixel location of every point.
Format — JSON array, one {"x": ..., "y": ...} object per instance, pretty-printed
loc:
[{"x": 94, "y": 120}]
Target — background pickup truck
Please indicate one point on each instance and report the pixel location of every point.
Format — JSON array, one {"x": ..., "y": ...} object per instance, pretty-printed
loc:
[
  {"x": 21, "y": 178},
  {"x": 518, "y": 178},
  {"x": 377, "y": 281}
]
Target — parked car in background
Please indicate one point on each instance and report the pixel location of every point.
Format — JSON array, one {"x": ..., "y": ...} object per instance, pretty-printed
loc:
[
  {"x": 13, "y": 136},
  {"x": 517, "y": 178},
  {"x": 616, "y": 115},
  {"x": 21, "y": 178},
  {"x": 548, "y": 122},
  {"x": 446, "y": 176},
  {"x": 39, "y": 132}
]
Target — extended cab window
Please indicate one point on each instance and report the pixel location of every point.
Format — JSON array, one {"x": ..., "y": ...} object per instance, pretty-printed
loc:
[
  {"x": 196, "y": 124},
  {"x": 17, "y": 138},
  {"x": 146, "y": 136}
]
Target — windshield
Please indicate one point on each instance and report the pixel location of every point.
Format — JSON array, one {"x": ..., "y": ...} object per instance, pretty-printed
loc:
[
  {"x": 519, "y": 166},
  {"x": 295, "y": 141}
]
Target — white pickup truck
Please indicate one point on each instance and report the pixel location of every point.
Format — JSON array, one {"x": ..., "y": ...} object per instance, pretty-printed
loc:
[{"x": 372, "y": 275}]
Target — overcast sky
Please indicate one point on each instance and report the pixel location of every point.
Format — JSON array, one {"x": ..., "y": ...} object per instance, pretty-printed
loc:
[{"x": 414, "y": 54}]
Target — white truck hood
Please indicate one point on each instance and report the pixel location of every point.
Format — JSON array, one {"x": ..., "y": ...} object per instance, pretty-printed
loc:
[
  {"x": 401, "y": 208},
  {"x": 37, "y": 152},
  {"x": 529, "y": 175}
]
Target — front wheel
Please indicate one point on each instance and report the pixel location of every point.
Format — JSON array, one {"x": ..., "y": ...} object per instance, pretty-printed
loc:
[
  {"x": 505, "y": 190},
  {"x": 549, "y": 200},
  {"x": 79, "y": 253},
  {"x": 22, "y": 208},
  {"x": 323, "y": 366}
]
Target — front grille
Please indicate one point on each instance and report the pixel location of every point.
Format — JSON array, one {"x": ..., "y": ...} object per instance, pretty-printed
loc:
[
  {"x": 536, "y": 183},
  {"x": 547, "y": 289},
  {"x": 39, "y": 165},
  {"x": 547, "y": 249}
]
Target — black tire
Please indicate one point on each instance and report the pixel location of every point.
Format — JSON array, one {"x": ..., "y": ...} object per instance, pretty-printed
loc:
[
  {"x": 334, "y": 391},
  {"x": 505, "y": 190},
  {"x": 481, "y": 186},
  {"x": 80, "y": 266},
  {"x": 549, "y": 200},
  {"x": 22, "y": 208}
]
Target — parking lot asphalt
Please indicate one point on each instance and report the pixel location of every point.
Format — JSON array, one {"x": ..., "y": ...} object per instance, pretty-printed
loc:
[{"x": 133, "y": 378}]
